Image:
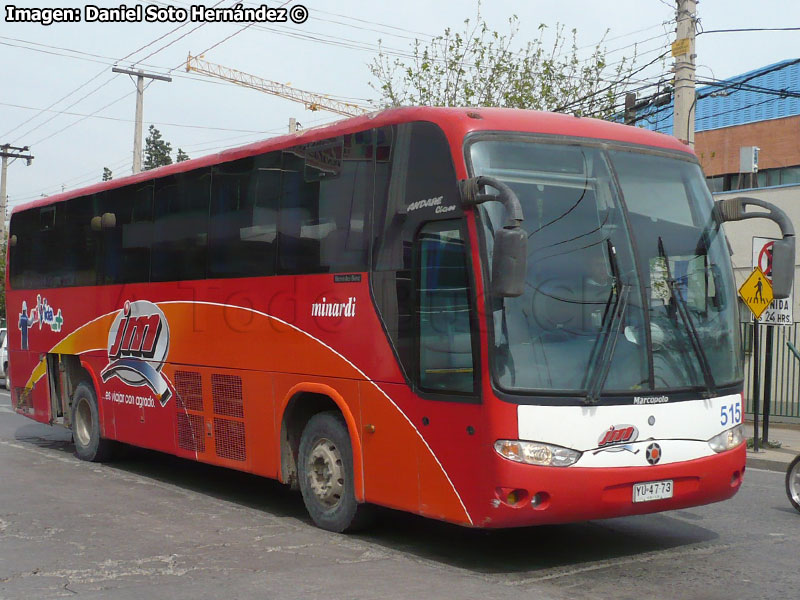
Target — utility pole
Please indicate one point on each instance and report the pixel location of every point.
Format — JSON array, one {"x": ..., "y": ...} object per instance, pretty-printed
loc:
[
  {"x": 683, "y": 51},
  {"x": 8, "y": 151},
  {"x": 292, "y": 124},
  {"x": 137, "y": 132}
]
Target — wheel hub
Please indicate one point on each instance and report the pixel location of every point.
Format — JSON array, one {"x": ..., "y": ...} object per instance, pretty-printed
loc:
[
  {"x": 82, "y": 428},
  {"x": 326, "y": 473}
]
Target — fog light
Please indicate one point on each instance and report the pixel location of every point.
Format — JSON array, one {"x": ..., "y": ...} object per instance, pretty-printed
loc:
[
  {"x": 514, "y": 497},
  {"x": 540, "y": 501}
]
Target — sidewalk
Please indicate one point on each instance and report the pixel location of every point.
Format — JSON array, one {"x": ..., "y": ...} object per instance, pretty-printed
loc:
[{"x": 774, "y": 459}]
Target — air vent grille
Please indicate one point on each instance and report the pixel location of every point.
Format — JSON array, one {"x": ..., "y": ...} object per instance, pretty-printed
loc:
[
  {"x": 226, "y": 391},
  {"x": 229, "y": 439},
  {"x": 190, "y": 390},
  {"x": 190, "y": 432}
]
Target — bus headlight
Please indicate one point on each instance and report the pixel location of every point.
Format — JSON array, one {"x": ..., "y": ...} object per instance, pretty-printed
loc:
[
  {"x": 727, "y": 439},
  {"x": 536, "y": 453}
]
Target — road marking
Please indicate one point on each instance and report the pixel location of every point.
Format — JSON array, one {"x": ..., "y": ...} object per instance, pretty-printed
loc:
[{"x": 750, "y": 469}]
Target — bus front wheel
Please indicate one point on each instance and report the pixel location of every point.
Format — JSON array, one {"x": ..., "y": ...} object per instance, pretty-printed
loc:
[
  {"x": 86, "y": 426},
  {"x": 325, "y": 465}
]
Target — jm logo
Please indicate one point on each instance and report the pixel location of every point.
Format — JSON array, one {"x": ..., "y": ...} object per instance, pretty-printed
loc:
[
  {"x": 616, "y": 437},
  {"x": 138, "y": 343}
]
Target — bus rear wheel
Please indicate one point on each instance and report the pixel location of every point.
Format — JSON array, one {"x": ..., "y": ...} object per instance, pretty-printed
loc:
[
  {"x": 793, "y": 483},
  {"x": 86, "y": 426},
  {"x": 326, "y": 475}
]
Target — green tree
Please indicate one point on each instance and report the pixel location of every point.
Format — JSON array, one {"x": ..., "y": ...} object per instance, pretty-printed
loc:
[
  {"x": 181, "y": 156},
  {"x": 482, "y": 67},
  {"x": 156, "y": 150},
  {"x": 107, "y": 174}
]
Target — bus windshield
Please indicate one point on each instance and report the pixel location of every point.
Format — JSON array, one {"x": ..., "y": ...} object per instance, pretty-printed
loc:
[{"x": 629, "y": 285}]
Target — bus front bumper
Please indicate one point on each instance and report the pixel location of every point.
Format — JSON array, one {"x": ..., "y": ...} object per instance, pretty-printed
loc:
[{"x": 533, "y": 495}]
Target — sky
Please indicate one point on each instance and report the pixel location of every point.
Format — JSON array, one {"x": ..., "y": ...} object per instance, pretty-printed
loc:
[{"x": 66, "y": 68}]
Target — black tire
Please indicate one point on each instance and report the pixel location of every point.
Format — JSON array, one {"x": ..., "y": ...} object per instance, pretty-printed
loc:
[
  {"x": 86, "y": 426},
  {"x": 325, "y": 471},
  {"x": 793, "y": 483}
]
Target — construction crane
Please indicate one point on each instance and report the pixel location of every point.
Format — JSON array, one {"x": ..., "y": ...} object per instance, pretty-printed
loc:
[{"x": 311, "y": 100}]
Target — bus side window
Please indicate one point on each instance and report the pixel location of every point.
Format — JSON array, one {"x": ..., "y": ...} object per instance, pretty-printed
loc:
[
  {"x": 127, "y": 245},
  {"x": 325, "y": 194},
  {"x": 81, "y": 242},
  {"x": 415, "y": 183},
  {"x": 344, "y": 202},
  {"x": 443, "y": 311},
  {"x": 180, "y": 235},
  {"x": 49, "y": 259},
  {"x": 243, "y": 227},
  {"x": 25, "y": 230}
]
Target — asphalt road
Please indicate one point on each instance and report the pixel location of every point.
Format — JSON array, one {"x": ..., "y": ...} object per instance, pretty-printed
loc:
[{"x": 152, "y": 526}]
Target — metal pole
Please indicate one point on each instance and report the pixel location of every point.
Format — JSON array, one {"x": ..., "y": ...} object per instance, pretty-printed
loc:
[
  {"x": 8, "y": 151},
  {"x": 756, "y": 388},
  {"x": 683, "y": 50},
  {"x": 137, "y": 131},
  {"x": 767, "y": 386},
  {"x": 3, "y": 196}
]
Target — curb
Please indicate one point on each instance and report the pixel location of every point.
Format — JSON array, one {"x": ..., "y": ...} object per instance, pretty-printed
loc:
[{"x": 767, "y": 464}]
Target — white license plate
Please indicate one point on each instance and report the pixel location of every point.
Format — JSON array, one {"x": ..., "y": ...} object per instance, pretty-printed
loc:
[{"x": 652, "y": 490}]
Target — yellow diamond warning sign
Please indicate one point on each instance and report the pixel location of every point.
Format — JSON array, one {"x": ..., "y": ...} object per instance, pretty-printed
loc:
[{"x": 756, "y": 291}]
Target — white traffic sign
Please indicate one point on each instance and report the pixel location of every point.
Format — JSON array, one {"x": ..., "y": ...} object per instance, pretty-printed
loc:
[{"x": 779, "y": 312}]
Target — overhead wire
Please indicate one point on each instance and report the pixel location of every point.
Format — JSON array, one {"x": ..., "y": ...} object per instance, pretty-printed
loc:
[
  {"x": 105, "y": 118},
  {"x": 103, "y": 84}
]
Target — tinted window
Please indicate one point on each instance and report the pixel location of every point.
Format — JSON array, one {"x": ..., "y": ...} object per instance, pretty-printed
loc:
[
  {"x": 243, "y": 227},
  {"x": 180, "y": 232},
  {"x": 24, "y": 251},
  {"x": 419, "y": 186},
  {"x": 80, "y": 243},
  {"x": 445, "y": 337},
  {"x": 415, "y": 182},
  {"x": 127, "y": 244},
  {"x": 326, "y": 190}
]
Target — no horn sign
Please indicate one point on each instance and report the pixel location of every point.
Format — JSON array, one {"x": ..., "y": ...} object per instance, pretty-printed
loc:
[{"x": 777, "y": 312}]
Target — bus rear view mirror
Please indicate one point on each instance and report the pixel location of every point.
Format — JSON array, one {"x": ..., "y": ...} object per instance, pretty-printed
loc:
[
  {"x": 510, "y": 242},
  {"x": 783, "y": 267},
  {"x": 783, "y": 250},
  {"x": 509, "y": 262}
]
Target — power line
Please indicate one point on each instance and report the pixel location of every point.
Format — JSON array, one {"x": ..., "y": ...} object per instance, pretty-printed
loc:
[
  {"x": 111, "y": 61},
  {"x": 191, "y": 31},
  {"x": 96, "y": 76},
  {"x": 737, "y": 109},
  {"x": 784, "y": 93},
  {"x": 235, "y": 33},
  {"x": 577, "y": 101},
  {"x": 747, "y": 29},
  {"x": 755, "y": 75},
  {"x": 83, "y": 118},
  {"x": 74, "y": 114}
]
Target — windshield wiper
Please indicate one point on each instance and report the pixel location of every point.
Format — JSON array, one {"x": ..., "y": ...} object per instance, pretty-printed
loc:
[
  {"x": 686, "y": 317},
  {"x": 604, "y": 347}
]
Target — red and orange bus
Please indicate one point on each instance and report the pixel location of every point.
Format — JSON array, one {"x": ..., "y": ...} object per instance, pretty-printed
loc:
[{"x": 490, "y": 317}]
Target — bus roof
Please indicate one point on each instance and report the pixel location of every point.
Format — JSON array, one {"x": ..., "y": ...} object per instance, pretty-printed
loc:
[{"x": 456, "y": 123}]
